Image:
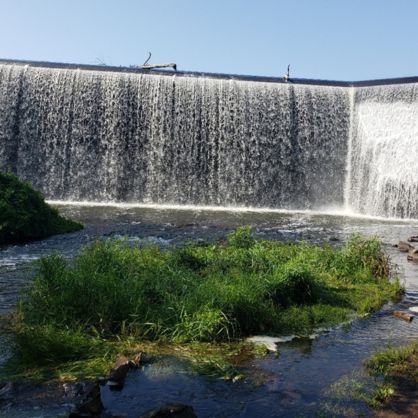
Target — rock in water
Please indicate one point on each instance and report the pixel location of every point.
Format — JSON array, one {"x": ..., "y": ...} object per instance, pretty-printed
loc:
[
  {"x": 404, "y": 246},
  {"x": 171, "y": 411},
  {"x": 413, "y": 254},
  {"x": 91, "y": 406},
  {"x": 118, "y": 374},
  {"x": 403, "y": 315}
]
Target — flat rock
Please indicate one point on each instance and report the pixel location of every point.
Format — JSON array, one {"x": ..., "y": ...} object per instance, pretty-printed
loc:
[
  {"x": 403, "y": 315},
  {"x": 404, "y": 246},
  {"x": 413, "y": 255}
]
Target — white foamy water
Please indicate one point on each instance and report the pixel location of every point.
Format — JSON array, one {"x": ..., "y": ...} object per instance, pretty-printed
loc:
[
  {"x": 384, "y": 164},
  {"x": 152, "y": 139},
  {"x": 148, "y": 139}
]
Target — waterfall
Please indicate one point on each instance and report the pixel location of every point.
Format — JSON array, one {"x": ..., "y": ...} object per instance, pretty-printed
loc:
[
  {"x": 129, "y": 137},
  {"x": 120, "y": 136},
  {"x": 384, "y": 155}
]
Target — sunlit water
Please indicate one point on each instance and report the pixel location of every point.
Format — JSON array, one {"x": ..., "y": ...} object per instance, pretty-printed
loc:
[
  {"x": 78, "y": 134},
  {"x": 302, "y": 381},
  {"x": 104, "y": 136},
  {"x": 383, "y": 155}
]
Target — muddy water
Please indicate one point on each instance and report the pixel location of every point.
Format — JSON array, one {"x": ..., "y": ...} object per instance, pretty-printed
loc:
[{"x": 309, "y": 377}]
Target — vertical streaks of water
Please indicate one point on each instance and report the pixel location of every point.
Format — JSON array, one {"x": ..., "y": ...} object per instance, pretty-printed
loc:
[
  {"x": 384, "y": 172},
  {"x": 103, "y": 136},
  {"x": 11, "y": 79}
]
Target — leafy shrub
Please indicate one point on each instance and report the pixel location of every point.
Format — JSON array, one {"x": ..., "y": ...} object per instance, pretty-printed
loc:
[{"x": 24, "y": 215}]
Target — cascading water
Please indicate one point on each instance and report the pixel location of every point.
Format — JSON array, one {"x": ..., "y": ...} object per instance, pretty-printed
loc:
[
  {"x": 384, "y": 151},
  {"x": 85, "y": 135},
  {"x": 106, "y": 136},
  {"x": 152, "y": 138}
]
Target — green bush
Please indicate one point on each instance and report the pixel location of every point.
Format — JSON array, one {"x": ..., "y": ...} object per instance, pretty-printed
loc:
[
  {"x": 213, "y": 292},
  {"x": 295, "y": 285},
  {"x": 24, "y": 215}
]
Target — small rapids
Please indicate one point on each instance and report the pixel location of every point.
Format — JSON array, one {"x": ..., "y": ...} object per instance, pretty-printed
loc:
[{"x": 305, "y": 377}]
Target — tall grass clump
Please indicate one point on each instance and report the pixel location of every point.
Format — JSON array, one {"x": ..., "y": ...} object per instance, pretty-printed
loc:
[
  {"x": 205, "y": 293},
  {"x": 395, "y": 371},
  {"x": 395, "y": 362},
  {"x": 24, "y": 215}
]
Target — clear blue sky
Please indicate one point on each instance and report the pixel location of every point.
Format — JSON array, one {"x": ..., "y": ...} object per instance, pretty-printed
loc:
[{"x": 328, "y": 39}]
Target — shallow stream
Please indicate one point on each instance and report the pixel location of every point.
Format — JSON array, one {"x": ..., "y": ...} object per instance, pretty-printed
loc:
[{"x": 309, "y": 377}]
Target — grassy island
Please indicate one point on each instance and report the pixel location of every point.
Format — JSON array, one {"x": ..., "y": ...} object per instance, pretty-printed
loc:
[
  {"x": 24, "y": 215},
  {"x": 115, "y": 295}
]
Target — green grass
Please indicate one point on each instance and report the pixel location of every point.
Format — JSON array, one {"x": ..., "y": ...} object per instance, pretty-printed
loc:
[
  {"x": 212, "y": 293},
  {"x": 380, "y": 395},
  {"x": 395, "y": 370},
  {"x": 24, "y": 215},
  {"x": 395, "y": 361},
  {"x": 387, "y": 375}
]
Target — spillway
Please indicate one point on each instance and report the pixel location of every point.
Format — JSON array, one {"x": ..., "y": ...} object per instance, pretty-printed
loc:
[
  {"x": 384, "y": 156},
  {"x": 137, "y": 137}
]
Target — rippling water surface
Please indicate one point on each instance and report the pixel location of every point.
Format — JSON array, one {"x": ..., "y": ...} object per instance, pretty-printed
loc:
[{"x": 310, "y": 376}]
